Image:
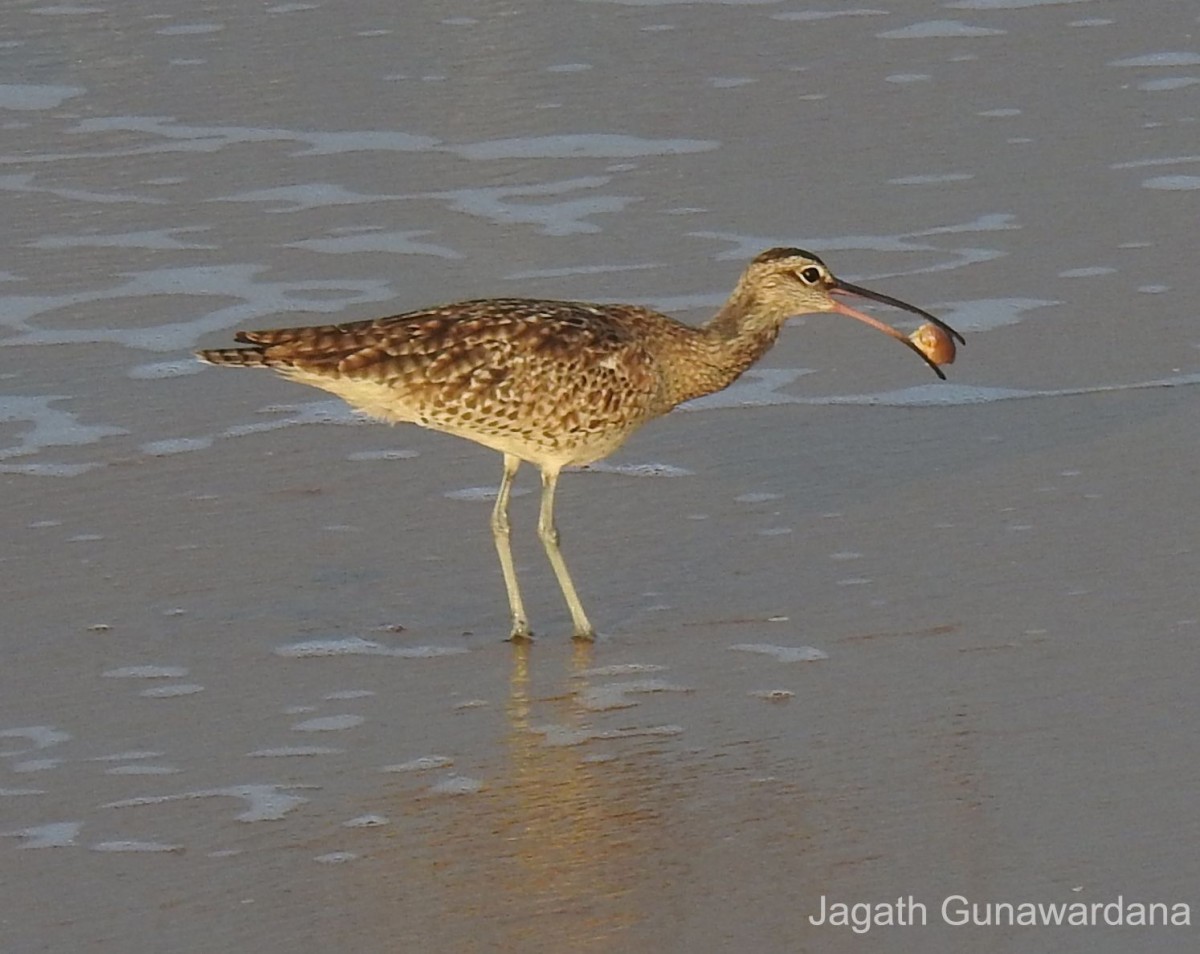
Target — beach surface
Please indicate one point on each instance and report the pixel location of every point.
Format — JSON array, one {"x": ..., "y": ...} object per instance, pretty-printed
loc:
[{"x": 867, "y": 638}]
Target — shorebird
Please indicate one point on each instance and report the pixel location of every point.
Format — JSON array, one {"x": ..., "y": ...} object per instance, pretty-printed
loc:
[{"x": 557, "y": 383}]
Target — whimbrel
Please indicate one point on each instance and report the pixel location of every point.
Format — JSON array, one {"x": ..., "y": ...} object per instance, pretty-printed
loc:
[{"x": 554, "y": 383}]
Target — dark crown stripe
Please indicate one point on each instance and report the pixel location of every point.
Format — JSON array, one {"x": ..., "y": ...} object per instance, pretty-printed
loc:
[{"x": 776, "y": 254}]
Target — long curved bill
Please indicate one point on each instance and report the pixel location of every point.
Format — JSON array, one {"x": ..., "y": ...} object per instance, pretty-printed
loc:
[{"x": 846, "y": 288}]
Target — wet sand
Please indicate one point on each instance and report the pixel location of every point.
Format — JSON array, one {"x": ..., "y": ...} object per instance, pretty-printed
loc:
[{"x": 866, "y": 636}]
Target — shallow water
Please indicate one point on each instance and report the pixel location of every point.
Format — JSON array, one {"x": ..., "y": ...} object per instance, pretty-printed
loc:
[{"x": 878, "y": 636}]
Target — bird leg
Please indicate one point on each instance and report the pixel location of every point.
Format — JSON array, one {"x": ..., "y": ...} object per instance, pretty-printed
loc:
[
  {"x": 500, "y": 533},
  {"x": 548, "y": 533}
]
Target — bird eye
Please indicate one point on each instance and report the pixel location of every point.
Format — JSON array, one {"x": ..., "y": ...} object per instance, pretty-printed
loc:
[{"x": 810, "y": 275}]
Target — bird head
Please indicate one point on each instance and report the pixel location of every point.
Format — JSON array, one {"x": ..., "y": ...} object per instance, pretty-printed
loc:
[{"x": 790, "y": 281}]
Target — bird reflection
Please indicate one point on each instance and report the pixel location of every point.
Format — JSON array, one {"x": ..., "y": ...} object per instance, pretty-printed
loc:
[{"x": 557, "y": 851}]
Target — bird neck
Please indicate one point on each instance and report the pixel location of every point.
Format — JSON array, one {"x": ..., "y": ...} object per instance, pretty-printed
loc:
[
  {"x": 730, "y": 342},
  {"x": 747, "y": 314},
  {"x": 743, "y": 331}
]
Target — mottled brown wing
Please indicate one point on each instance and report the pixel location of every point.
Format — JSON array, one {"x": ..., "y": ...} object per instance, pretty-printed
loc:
[
  {"x": 539, "y": 366},
  {"x": 518, "y": 352},
  {"x": 525, "y": 324}
]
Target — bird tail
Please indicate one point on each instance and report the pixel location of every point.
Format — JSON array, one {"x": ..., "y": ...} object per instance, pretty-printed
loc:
[
  {"x": 238, "y": 358},
  {"x": 283, "y": 348}
]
